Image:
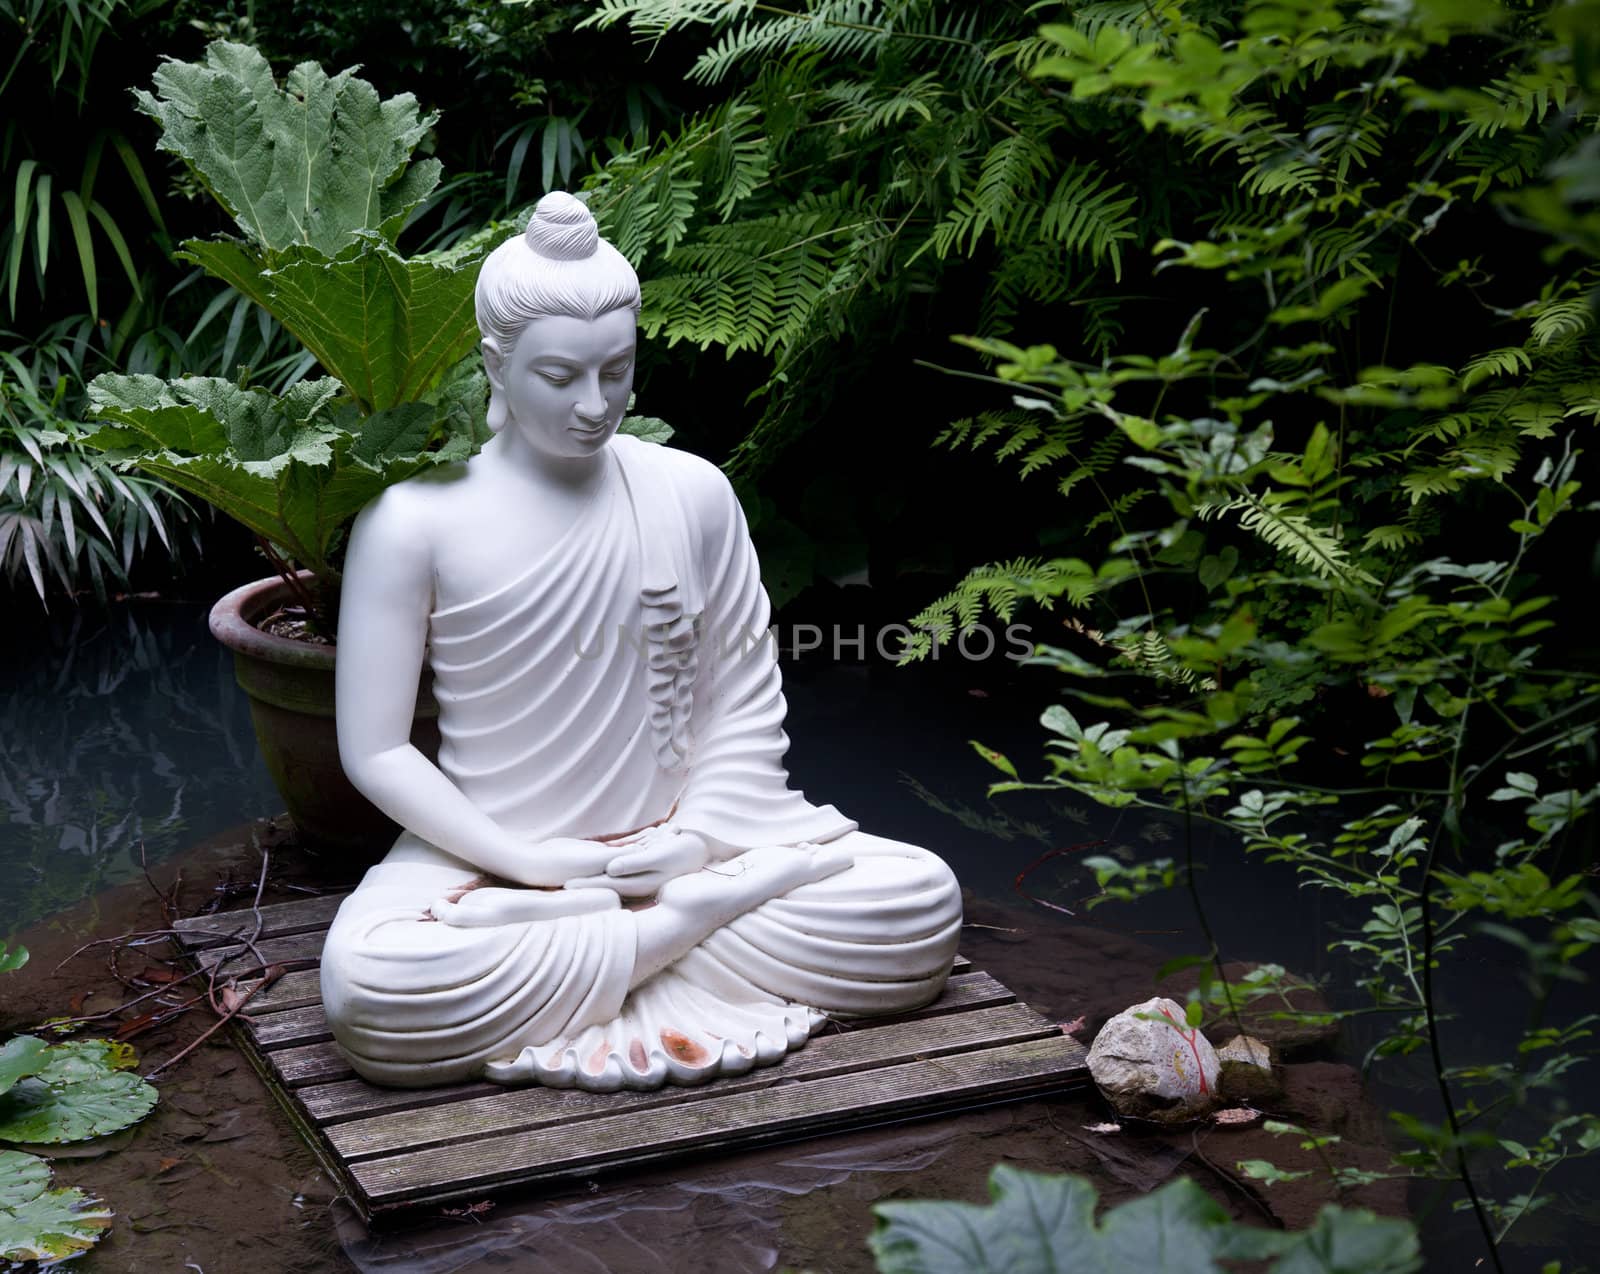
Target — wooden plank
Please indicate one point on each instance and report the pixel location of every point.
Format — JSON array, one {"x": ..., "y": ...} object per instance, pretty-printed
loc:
[
  {"x": 318, "y": 1063},
  {"x": 278, "y": 919},
  {"x": 310, "y": 1064},
  {"x": 346, "y": 1099},
  {"x": 299, "y": 946},
  {"x": 852, "y": 1100},
  {"x": 304, "y": 1023},
  {"x": 292, "y": 991},
  {"x": 962, "y": 992},
  {"x": 530, "y": 1107}
]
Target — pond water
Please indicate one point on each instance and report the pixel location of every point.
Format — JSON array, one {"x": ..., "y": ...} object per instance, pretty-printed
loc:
[{"x": 126, "y": 745}]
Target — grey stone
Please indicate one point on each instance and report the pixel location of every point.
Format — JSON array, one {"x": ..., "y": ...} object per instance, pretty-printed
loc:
[{"x": 1150, "y": 1064}]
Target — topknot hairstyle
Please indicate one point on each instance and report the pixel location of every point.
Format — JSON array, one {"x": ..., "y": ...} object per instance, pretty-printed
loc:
[{"x": 558, "y": 266}]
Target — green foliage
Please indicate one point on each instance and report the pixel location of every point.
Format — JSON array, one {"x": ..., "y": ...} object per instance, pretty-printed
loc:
[
  {"x": 1038, "y": 1222},
  {"x": 295, "y": 468},
  {"x": 1291, "y": 505},
  {"x": 67, "y": 516},
  {"x": 319, "y": 223},
  {"x": 43, "y": 1225},
  {"x": 70, "y": 1092},
  {"x": 40, "y": 210},
  {"x": 20, "y": 1058},
  {"x": 313, "y": 163},
  {"x": 862, "y": 159},
  {"x": 12, "y": 958}
]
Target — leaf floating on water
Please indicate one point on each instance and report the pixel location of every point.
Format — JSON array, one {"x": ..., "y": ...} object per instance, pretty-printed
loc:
[
  {"x": 22, "y": 1177},
  {"x": 83, "y": 1059},
  {"x": 52, "y": 1226},
  {"x": 21, "y": 1057},
  {"x": 82, "y": 1090},
  {"x": 35, "y": 1111},
  {"x": 40, "y": 1225}
]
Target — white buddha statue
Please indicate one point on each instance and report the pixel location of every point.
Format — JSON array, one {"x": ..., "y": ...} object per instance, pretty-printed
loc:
[{"x": 606, "y": 881}]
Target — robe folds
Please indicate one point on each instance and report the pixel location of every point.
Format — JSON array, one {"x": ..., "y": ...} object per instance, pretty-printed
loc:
[{"x": 624, "y": 679}]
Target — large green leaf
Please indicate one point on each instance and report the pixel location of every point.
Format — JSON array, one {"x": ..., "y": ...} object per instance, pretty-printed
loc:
[
  {"x": 294, "y": 469},
  {"x": 22, "y": 1177},
  {"x": 40, "y": 1225},
  {"x": 20, "y": 1057},
  {"x": 36, "y": 1110},
  {"x": 648, "y": 428},
  {"x": 312, "y": 163},
  {"x": 85, "y": 1059},
  {"x": 388, "y": 326},
  {"x": 1038, "y": 1223},
  {"x": 12, "y": 957}
]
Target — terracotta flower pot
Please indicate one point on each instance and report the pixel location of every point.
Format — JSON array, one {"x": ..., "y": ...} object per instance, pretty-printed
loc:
[{"x": 290, "y": 685}]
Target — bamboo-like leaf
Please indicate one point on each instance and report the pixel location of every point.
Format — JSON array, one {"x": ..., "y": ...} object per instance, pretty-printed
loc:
[
  {"x": 41, "y": 224},
  {"x": 119, "y": 245},
  {"x": 79, "y": 221},
  {"x": 136, "y": 174},
  {"x": 21, "y": 202}
]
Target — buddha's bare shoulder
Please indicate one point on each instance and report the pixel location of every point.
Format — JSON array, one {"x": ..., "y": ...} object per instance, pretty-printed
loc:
[
  {"x": 412, "y": 510},
  {"x": 700, "y": 486}
]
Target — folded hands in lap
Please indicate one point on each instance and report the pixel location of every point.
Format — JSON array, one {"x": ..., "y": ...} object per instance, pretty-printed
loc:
[{"x": 639, "y": 866}]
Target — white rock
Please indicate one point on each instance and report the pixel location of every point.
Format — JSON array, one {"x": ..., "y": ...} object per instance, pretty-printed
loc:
[
  {"x": 1150, "y": 1064},
  {"x": 1246, "y": 1070}
]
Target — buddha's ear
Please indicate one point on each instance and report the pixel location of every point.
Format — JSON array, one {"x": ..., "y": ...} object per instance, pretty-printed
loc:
[
  {"x": 494, "y": 369},
  {"x": 493, "y": 364}
]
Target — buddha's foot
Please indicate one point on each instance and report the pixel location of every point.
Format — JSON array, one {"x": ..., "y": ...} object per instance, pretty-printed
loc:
[{"x": 670, "y": 1031}]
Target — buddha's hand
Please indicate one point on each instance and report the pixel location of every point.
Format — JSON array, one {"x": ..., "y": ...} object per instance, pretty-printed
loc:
[
  {"x": 649, "y": 861},
  {"x": 485, "y": 908},
  {"x": 756, "y": 876}
]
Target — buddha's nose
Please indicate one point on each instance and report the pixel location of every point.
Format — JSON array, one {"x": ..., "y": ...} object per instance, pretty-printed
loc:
[{"x": 591, "y": 408}]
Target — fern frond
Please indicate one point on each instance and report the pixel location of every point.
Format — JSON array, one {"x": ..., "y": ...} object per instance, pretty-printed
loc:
[
  {"x": 1562, "y": 320},
  {"x": 1118, "y": 507},
  {"x": 1090, "y": 215},
  {"x": 1007, "y": 174},
  {"x": 1499, "y": 362},
  {"x": 1151, "y": 655},
  {"x": 1295, "y": 536},
  {"x": 1102, "y": 456},
  {"x": 1000, "y": 588}
]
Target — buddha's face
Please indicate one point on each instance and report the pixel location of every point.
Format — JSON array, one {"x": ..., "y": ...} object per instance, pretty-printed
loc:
[{"x": 566, "y": 381}]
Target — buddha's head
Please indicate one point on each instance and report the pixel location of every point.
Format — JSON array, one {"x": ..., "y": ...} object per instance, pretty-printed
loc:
[{"x": 558, "y": 307}]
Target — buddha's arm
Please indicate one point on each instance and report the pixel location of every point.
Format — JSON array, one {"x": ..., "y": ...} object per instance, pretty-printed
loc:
[
  {"x": 737, "y": 792},
  {"x": 383, "y": 633}
]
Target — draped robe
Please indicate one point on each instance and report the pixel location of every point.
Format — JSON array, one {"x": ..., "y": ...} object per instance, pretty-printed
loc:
[{"x": 625, "y": 678}]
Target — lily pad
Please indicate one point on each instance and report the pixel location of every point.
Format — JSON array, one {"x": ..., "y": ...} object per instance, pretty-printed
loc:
[
  {"x": 39, "y": 1111},
  {"x": 22, "y": 1177},
  {"x": 26, "y": 1055},
  {"x": 84, "y": 1059},
  {"x": 12, "y": 957},
  {"x": 52, "y": 1226}
]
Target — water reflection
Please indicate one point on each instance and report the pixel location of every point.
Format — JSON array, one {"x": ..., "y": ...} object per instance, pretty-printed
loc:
[{"x": 116, "y": 730}]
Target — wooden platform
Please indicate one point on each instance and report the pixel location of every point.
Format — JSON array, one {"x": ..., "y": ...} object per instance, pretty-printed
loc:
[{"x": 395, "y": 1149}]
